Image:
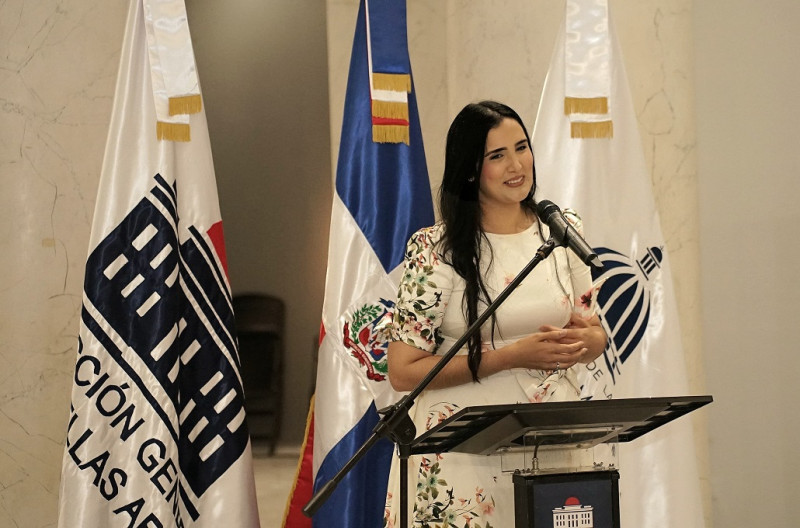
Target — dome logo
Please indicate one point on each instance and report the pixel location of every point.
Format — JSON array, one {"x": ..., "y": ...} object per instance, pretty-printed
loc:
[{"x": 625, "y": 301}]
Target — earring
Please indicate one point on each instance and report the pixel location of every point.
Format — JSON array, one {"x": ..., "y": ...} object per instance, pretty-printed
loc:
[{"x": 471, "y": 179}]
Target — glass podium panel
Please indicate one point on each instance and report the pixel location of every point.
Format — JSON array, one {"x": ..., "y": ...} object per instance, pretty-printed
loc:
[{"x": 536, "y": 458}]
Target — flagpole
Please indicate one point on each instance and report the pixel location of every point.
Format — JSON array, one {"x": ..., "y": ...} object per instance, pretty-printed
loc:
[{"x": 396, "y": 424}]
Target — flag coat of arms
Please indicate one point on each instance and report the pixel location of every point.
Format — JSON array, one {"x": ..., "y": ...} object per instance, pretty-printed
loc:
[
  {"x": 603, "y": 176},
  {"x": 157, "y": 434},
  {"x": 382, "y": 197}
]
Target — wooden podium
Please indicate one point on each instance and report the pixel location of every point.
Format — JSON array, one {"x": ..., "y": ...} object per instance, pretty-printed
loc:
[{"x": 539, "y": 496}]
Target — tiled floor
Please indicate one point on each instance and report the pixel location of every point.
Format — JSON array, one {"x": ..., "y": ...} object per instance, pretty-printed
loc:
[{"x": 274, "y": 479}]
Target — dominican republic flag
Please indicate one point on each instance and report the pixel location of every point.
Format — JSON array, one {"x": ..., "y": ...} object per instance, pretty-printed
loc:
[
  {"x": 382, "y": 196},
  {"x": 605, "y": 179},
  {"x": 157, "y": 435}
]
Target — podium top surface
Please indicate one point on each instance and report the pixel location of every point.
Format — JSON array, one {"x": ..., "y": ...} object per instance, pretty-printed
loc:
[{"x": 487, "y": 429}]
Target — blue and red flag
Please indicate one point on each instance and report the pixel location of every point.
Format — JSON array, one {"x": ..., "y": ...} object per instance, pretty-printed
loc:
[{"x": 382, "y": 196}]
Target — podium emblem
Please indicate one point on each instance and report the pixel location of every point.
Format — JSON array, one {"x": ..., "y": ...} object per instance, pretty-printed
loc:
[{"x": 573, "y": 514}]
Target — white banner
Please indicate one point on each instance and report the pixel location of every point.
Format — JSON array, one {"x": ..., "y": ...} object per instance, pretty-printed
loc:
[
  {"x": 157, "y": 435},
  {"x": 607, "y": 182}
]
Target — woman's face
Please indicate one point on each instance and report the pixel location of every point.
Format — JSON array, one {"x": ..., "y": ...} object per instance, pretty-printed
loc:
[{"x": 507, "y": 173}]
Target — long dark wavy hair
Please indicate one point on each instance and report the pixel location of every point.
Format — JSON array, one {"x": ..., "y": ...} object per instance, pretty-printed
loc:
[{"x": 460, "y": 245}]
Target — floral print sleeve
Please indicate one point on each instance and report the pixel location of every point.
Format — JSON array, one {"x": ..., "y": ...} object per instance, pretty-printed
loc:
[{"x": 423, "y": 292}]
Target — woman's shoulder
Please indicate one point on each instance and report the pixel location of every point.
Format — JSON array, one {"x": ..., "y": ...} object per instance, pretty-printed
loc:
[
  {"x": 424, "y": 248},
  {"x": 427, "y": 237}
]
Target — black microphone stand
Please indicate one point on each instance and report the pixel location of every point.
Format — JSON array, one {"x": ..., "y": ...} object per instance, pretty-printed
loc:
[{"x": 396, "y": 424}]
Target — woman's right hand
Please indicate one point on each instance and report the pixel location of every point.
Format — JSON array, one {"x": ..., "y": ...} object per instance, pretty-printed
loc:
[{"x": 545, "y": 351}]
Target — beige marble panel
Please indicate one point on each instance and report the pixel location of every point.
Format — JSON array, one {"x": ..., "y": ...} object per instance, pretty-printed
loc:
[
  {"x": 656, "y": 39},
  {"x": 58, "y": 65},
  {"x": 501, "y": 50}
]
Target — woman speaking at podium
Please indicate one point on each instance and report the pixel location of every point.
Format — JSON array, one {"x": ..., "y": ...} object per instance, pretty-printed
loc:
[{"x": 488, "y": 233}]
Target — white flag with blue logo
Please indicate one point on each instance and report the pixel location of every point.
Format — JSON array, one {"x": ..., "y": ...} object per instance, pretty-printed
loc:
[
  {"x": 157, "y": 435},
  {"x": 606, "y": 180}
]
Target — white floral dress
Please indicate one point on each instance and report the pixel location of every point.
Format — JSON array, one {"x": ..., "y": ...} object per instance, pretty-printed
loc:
[{"x": 460, "y": 490}]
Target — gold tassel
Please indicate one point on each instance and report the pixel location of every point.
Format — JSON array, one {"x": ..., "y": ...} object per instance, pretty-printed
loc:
[
  {"x": 592, "y": 130},
  {"x": 584, "y": 105},
  {"x": 390, "y": 109},
  {"x": 390, "y": 134},
  {"x": 188, "y": 104},
  {"x": 396, "y": 82},
  {"x": 173, "y": 131}
]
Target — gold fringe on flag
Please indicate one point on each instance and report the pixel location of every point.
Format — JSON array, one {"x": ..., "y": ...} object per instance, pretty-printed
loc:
[
  {"x": 390, "y": 109},
  {"x": 592, "y": 129},
  {"x": 173, "y": 131},
  {"x": 390, "y": 134},
  {"x": 300, "y": 461},
  {"x": 187, "y": 104},
  {"x": 585, "y": 105},
  {"x": 396, "y": 82}
]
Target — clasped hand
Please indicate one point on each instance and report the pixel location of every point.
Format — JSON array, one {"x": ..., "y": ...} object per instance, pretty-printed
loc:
[{"x": 580, "y": 341}]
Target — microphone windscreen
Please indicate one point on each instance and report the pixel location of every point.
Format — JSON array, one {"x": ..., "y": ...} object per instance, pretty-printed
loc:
[{"x": 545, "y": 209}]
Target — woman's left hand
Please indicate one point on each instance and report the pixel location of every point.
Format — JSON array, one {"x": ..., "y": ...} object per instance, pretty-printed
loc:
[{"x": 590, "y": 331}]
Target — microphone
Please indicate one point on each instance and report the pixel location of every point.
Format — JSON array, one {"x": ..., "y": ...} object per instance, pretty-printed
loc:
[{"x": 565, "y": 234}]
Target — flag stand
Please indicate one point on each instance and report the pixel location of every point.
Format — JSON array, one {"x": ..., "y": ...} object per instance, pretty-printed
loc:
[{"x": 396, "y": 424}]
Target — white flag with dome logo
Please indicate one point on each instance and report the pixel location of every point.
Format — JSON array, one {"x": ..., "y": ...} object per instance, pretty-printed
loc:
[{"x": 607, "y": 182}]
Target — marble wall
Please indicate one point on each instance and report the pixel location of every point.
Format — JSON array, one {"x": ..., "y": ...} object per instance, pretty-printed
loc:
[
  {"x": 58, "y": 67},
  {"x": 58, "y": 64}
]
